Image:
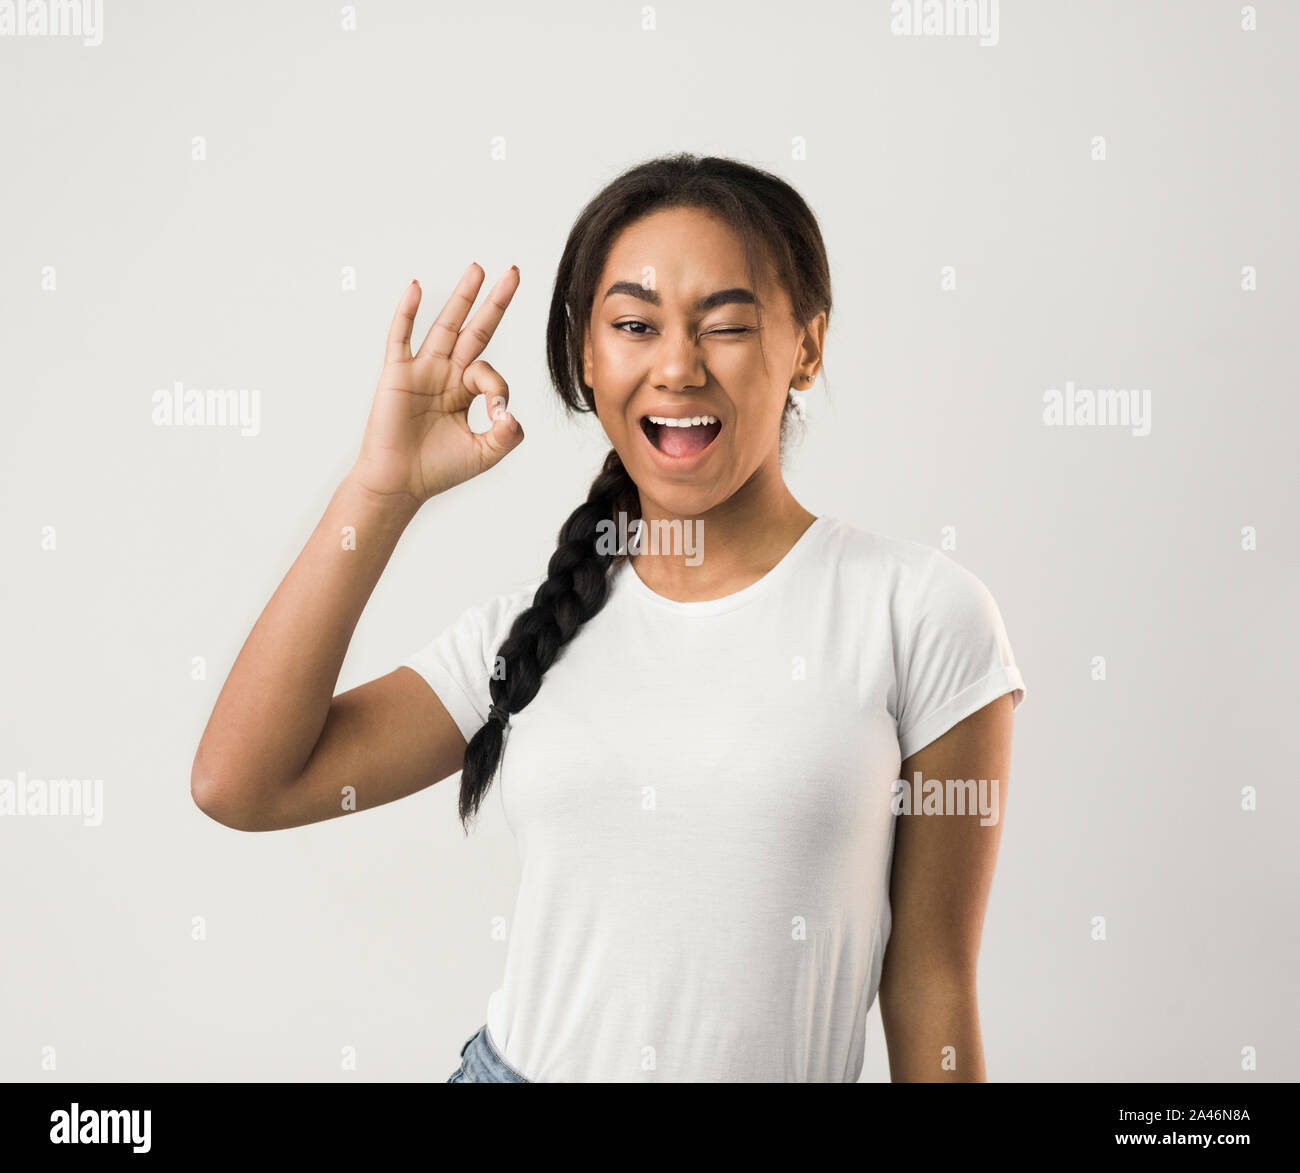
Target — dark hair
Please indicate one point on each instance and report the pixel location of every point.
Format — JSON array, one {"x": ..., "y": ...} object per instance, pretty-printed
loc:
[{"x": 779, "y": 232}]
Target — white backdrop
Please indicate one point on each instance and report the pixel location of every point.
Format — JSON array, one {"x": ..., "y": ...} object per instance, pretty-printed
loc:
[{"x": 1104, "y": 197}]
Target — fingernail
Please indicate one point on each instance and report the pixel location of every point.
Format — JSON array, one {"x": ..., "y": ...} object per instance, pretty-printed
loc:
[{"x": 515, "y": 268}]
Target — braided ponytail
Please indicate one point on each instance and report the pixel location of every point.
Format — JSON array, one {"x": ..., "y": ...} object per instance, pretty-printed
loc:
[
  {"x": 575, "y": 589},
  {"x": 778, "y": 231}
]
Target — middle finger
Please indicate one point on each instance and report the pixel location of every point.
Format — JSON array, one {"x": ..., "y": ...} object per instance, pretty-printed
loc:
[{"x": 476, "y": 334}]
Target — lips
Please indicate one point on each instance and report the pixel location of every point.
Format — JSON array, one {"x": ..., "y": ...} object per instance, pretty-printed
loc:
[{"x": 681, "y": 438}]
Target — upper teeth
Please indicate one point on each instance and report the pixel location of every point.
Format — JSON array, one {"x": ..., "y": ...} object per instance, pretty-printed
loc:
[{"x": 690, "y": 421}]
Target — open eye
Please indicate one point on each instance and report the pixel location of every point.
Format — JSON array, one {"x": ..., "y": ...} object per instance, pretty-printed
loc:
[{"x": 632, "y": 322}]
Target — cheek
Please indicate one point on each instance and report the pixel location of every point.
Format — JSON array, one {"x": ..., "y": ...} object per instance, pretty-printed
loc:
[
  {"x": 761, "y": 420},
  {"x": 617, "y": 376},
  {"x": 613, "y": 360}
]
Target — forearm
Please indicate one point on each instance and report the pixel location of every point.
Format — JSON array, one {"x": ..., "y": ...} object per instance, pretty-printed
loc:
[
  {"x": 932, "y": 1029},
  {"x": 274, "y": 703}
]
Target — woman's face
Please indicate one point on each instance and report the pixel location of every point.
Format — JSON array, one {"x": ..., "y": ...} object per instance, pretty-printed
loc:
[{"x": 674, "y": 335}]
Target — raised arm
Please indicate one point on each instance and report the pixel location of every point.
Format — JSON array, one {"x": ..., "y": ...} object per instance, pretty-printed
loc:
[{"x": 280, "y": 749}]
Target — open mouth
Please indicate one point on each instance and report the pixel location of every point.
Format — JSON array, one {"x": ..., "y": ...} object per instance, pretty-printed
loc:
[{"x": 681, "y": 437}]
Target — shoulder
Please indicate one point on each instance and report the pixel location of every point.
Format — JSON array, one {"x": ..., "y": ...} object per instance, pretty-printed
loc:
[
  {"x": 474, "y": 634},
  {"x": 497, "y": 613},
  {"x": 951, "y": 651},
  {"x": 925, "y": 586},
  {"x": 906, "y": 566}
]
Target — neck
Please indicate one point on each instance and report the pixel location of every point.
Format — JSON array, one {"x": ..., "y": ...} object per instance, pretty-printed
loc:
[{"x": 722, "y": 551}]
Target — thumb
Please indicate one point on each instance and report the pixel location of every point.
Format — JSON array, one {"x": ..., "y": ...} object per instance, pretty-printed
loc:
[
  {"x": 505, "y": 433},
  {"x": 502, "y": 437}
]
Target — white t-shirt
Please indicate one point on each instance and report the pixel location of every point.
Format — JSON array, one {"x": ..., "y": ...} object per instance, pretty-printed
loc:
[{"x": 700, "y": 794}]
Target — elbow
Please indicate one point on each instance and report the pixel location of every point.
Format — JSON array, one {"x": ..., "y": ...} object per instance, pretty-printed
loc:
[{"x": 208, "y": 796}]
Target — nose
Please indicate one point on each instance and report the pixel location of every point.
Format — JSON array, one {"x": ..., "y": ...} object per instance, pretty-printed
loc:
[{"x": 678, "y": 363}]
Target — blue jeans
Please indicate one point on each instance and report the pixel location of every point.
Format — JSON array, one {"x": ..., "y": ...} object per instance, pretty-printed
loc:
[{"x": 480, "y": 1062}]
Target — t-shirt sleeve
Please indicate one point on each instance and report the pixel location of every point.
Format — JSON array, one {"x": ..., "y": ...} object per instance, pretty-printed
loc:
[
  {"x": 958, "y": 656},
  {"x": 458, "y": 663}
]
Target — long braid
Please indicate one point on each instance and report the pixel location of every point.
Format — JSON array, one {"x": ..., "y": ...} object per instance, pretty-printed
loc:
[
  {"x": 776, "y": 230},
  {"x": 575, "y": 589}
]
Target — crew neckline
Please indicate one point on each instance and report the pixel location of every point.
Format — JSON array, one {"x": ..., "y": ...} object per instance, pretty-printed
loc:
[{"x": 737, "y": 598}]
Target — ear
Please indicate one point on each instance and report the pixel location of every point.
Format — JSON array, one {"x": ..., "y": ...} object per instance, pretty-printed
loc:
[
  {"x": 814, "y": 341},
  {"x": 587, "y": 363}
]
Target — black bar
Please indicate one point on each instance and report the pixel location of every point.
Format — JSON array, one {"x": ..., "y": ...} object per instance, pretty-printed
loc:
[{"x": 213, "y": 1121}]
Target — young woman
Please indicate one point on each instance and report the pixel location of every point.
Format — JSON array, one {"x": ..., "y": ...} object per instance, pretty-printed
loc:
[{"x": 697, "y": 744}]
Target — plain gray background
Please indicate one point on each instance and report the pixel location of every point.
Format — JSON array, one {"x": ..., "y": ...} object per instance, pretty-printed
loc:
[{"x": 380, "y": 149}]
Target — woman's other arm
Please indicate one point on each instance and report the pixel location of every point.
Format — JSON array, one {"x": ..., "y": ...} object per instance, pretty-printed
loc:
[{"x": 939, "y": 887}]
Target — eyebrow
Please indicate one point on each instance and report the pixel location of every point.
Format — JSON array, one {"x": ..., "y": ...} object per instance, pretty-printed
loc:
[{"x": 736, "y": 296}]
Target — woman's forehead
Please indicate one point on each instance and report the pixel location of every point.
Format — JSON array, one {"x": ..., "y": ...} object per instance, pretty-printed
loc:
[{"x": 684, "y": 256}]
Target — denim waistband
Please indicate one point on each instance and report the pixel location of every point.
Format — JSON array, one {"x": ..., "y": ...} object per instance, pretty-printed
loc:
[{"x": 481, "y": 1062}]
